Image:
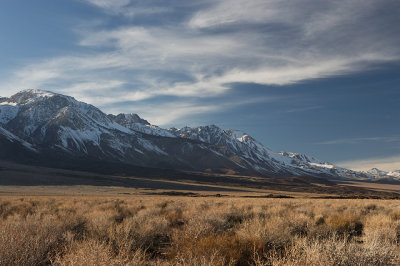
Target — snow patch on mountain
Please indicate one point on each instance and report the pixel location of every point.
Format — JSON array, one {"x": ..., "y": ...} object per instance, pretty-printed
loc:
[
  {"x": 79, "y": 137},
  {"x": 8, "y": 111},
  {"x": 238, "y": 134},
  {"x": 150, "y": 147},
  {"x": 376, "y": 173},
  {"x": 395, "y": 174},
  {"x": 11, "y": 137},
  {"x": 254, "y": 154}
]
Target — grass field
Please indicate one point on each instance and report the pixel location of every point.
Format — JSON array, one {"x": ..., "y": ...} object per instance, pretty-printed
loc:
[
  {"x": 63, "y": 217},
  {"x": 170, "y": 230}
]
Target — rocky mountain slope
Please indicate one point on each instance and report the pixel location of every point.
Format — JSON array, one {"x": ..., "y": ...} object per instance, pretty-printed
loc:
[
  {"x": 376, "y": 173},
  {"x": 44, "y": 124}
]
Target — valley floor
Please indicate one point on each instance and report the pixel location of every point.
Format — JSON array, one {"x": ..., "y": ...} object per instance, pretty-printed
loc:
[
  {"x": 63, "y": 217},
  {"x": 33, "y": 180},
  {"x": 176, "y": 230}
]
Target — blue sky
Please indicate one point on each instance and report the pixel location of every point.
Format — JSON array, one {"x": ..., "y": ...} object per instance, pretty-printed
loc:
[{"x": 309, "y": 76}]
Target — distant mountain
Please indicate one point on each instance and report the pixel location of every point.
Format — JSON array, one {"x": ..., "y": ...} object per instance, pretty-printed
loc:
[
  {"x": 377, "y": 174},
  {"x": 46, "y": 125}
]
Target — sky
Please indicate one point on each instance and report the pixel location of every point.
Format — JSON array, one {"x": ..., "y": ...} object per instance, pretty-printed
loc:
[{"x": 307, "y": 76}]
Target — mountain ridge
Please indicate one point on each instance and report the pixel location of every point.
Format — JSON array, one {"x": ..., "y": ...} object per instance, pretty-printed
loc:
[{"x": 55, "y": 123}]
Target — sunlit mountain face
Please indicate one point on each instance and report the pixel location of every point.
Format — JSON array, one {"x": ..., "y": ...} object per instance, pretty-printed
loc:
[{"x": 41, "y": 124}]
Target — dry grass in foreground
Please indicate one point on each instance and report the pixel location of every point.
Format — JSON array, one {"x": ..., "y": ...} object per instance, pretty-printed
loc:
[{"x": 198, "y": 231}]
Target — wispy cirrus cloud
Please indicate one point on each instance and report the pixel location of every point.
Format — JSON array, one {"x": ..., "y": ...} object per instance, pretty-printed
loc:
[
  {"x": 387, "y": 163},
  {"x": 126, "y": 8},
  {"x": 360, "y": 140},
  {"x": 171, "y": 112},
  {"x": 196, "y": 49},
  {"x": 114, "y": 7}
]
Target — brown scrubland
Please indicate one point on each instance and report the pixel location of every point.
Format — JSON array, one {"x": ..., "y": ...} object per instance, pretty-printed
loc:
[{"x": 161, "y": 230}]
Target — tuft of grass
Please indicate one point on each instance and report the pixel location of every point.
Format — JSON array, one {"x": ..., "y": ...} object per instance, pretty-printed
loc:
[
  {"x": 332, "y": 251},
  {"x": 29, "y": 240},
  {"x": 228, "y": 248},
  {"x": 395, "y": 215},
  {"x": 345, "y": 225}
]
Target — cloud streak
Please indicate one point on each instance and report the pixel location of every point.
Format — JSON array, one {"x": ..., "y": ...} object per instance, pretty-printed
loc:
[
  {"x": 360, "y": 140},
  {"x": 387, "y": 164},
  {"x": 198, "y": 50}
]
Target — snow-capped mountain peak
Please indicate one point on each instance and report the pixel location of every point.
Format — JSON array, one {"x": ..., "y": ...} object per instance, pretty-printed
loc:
[
  {"x": 51, "y": 122},
  {"x": 301, "y": 157},
  {"x": 129, "y": 118},
  {"x": 41, "y": 117},
  {"x": 238, "y": 134},
  {"x": 136, "y": 123},
  {"x": 377, "y": 173},
  {"x": 31, "y": 95},
  {"x": 394, "y": 173}
]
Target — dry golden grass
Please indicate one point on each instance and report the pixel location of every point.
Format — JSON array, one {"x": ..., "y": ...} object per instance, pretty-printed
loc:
[{"x": 198, "y": 231}]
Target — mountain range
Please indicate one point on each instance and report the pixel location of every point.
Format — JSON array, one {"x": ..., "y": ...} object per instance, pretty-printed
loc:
[{"x": 47, "y": 128}]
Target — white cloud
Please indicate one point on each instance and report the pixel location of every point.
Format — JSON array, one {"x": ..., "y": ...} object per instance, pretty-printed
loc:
[
  {"x": 168, "y": 113},
  {"x": 124, "y": 7},
  {"x": 229, "y": 12},
  {"x": 112, "y": 6},
  {"x": 387, "y": 164},
  {"x": 266, "y": 42},
  {"x": 360, "y": 140}
]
